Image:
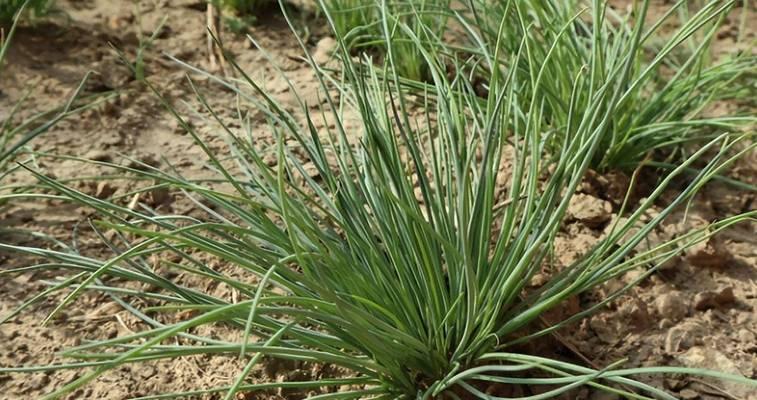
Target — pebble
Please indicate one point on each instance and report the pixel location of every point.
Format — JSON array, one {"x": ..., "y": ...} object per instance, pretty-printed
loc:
[
  {"x": 539, "y": 279},
  {"x": 702, "y": 357},
  {"x": 160, "y": 196},
  {"x": 110, "y": 74},
  {"x": 709, "y": 254},
  {"x": 746, "y": 336},
  {"x": 712, "y": 299},
  {"x": 111, "y": 332},
  {"x": 672, "y": 305},
  {"x": 637, "y": 314},
  {"x": 104, "y": 190},
  {"x": 99, "y": 155},
  {"x": 323, "y": 50},
  {"x": 38, "y": 382},
  {"x": 688, "y": 394},
  {"x": 146, "y": 371},
  {"x": 682, "y": 337},
  {"x": 589, "y": 210}
]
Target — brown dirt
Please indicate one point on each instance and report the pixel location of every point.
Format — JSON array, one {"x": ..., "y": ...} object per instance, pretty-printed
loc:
[{"x": 698, "y": 311}]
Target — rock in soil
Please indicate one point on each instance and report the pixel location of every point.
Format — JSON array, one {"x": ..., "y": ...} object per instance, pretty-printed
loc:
[
  {"x": 714, "y": 299},
  {"x": 589, "y": 210},
  {"x": 672, "y": 305},
  {"x": 104, "y": 190},
  {"x": 688, "y": 394},
  {"x": 709, "y": 254},
  {"x": 682, "y": 337},
  {"x": 701, "y": 357},
  {"x": 636, "y": 314},
  {"x": 324, "y": 50},
  {"x": 99, "y": 155}
]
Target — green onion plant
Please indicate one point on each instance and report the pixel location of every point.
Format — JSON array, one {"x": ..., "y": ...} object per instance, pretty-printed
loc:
[
  {"x": 241, "y": 13},
  {"x": 145, "y": 43},
  {"x": 372, "y": 25},
  {"x": 672, "y": 85},
  {"x": 9, "y": 132},
  {"x": 386, "y": 249},
  {"x": 352, "y": 15},
  {"x": 35, "y": 8},
  {"x": 15, "y": 136},
  {"x": 244, "y": 6}
]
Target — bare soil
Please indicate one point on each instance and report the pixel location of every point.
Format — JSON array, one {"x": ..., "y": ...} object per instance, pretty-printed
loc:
[{"x": 699, "y": 311}]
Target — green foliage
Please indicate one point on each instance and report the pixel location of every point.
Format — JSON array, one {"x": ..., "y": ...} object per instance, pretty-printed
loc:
[
  {"x": 13, "y": 137},
  {"x": 369, "y": 25},
  {"x": 387, "y": 249},
  {"x": 36, "y": 8},
  {"x": 672, "y": 84},
  {"x": 239, "y": 23},
  {"x": 244, "y": 6},
  {"x": 351, "y": 15},
  {"x": 7, "y": 131},
  {"x": 240, "y": 14},
  {"x": 145, "y": 43}
]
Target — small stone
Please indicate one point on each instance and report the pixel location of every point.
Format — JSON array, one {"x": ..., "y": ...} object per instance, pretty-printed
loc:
[
  {"x": 104, "y": 190},
  {"x": 589, "y": 210},
  {"x": 711, "y": 299},
  {"x": 38, "y": 382},
  {"x": 146, "y": 371},
  {"x": 682, "y": 337},
  {"x": 98, "y": 155},
  {"x": 160, "y": 196},
  {"x": 671, "y": 305},
  {"x": 538, "y": 280},
  {"x": 637, "y": 314},
  {"x": 688, "y": 394},
  {"x": 701, "y": 357},
  {"x": 746, "y": 336},
  {"x": 709, "y": 254},
  {"x": 324, "y": 49},
  {"x": 141, "y": 162},
  {"x": 111, "y": 332},
  {"x": 110, "y": 74}
]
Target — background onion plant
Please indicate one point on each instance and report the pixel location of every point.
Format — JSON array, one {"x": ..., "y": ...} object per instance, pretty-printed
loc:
[
  {"x": 361, "y": 24},
  {"x": 14, "y": 136},
  {"x": 672, "y": 86},
  {"x": 17, "y": 132},
  {"x": 400, "y": 259},
  {"x": 36, "y": 8},
  {"x": 240, "y": 14}
]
